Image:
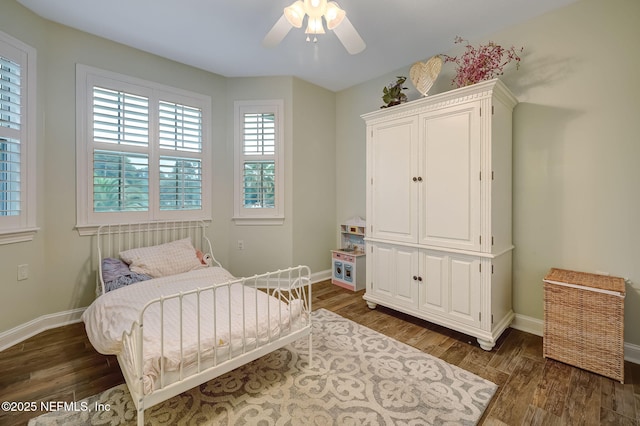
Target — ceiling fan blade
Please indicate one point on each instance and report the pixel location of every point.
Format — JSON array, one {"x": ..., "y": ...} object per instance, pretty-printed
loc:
[
  {"x": 349, "y": 37},
  {"x": 277, "y": 33}
]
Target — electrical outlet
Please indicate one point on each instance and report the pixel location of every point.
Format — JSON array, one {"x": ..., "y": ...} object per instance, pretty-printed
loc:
[
  {"x": 240, "y": 245},
  {"x": 23, "y": 272}
]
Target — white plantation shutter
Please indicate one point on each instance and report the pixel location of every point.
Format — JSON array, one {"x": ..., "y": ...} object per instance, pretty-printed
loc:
[
  {"x": 180, "y": 176},
  {"x": 120, "y": 178},
  {"x": 120, "y": 181},
  {"x": 145, "y": 149},
  {"x": 258, "y": 189},
  {"x": 119, "y": 117},
  {"x": 180, "y": 127},
  {"x": 10, "y": 94},
  {"x": 259, "y": 152},
  {"x": 17, "y": 140},
  {"x": 180, "y": 183},
  {"x": 258, "y": 148},
  {"x": 10, "y": 136},
  {"x": 259, "y": 134}
]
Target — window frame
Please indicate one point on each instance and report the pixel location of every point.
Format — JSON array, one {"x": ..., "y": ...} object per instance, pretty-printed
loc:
[
  {"x": 22, "y": 227},
  {"x": 86, "y": 78},
  {"x": 259, "y": 216}
]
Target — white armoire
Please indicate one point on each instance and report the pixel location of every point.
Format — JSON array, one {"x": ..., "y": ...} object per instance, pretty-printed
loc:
[{"x": 438, "y": 237}]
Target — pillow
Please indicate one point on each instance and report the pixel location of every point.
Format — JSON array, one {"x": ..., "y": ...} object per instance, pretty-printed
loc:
[
  {"x": 171, "y": 258},
  {"x": 113, "y": 269},
  {"x": 116, "y": 274},
  {"x": 124, "y": 280}
]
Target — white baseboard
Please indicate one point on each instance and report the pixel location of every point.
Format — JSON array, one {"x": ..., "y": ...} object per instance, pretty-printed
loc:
[
  {"x": 536, "y": 326},
  {"x": 46, "y": 322},
  {"x": 632, "y": 353},
  {"x": 528, "y": 324},
  {"x": 22, "y": 332},
  {"x": 316, "y": 277}
]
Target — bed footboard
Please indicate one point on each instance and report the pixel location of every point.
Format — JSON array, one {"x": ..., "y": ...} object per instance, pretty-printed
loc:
[{"x": 186, "y": 339}]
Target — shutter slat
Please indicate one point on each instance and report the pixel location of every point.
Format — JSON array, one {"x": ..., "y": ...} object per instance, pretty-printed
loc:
[
  {"x": 9, "y": 82},
  {"x": 132, "y": 117}
]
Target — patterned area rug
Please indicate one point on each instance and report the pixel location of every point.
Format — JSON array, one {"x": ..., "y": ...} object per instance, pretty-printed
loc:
[{"x": 359, "y": 377}]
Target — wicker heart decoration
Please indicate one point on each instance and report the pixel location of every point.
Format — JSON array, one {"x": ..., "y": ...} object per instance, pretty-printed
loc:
[{"x": 423, "y": 74}]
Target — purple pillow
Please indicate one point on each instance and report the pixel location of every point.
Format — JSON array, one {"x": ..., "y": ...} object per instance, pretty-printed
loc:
[
  {"x": 116, "y": 274},
  {"x": 113, "y": 269}
]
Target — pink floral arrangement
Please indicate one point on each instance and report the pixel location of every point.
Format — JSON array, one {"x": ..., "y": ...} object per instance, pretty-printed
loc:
[{"x": 482, "y": 63}]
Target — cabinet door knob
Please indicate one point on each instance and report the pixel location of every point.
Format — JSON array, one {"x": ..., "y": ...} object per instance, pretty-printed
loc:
[
  {"x": 419, "y": 178},
  {"x": 419, "y": 278},
  {"x": 415, "y": 179},
  {"x": 415, "y": 278}
]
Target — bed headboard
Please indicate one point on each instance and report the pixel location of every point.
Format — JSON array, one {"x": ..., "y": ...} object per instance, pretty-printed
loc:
[{"x": 113, "y": 239}]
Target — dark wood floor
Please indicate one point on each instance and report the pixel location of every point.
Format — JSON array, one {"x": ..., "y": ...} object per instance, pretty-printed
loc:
[{"x": 61, "y": 365}]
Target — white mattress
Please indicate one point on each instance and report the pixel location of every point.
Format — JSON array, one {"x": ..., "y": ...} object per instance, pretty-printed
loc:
[{"x": 236, "y": 328}]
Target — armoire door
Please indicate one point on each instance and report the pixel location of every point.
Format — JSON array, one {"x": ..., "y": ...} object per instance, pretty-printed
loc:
[
  {"x": 392, "y": 151},
  {"x": 451, "y": 286},
  {"x": 450, "y": 146},
  {"x": 390, "y": 273}
]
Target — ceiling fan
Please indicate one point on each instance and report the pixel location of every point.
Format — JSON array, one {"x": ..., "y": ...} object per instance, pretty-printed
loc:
[{"x": 315, "y": 10}]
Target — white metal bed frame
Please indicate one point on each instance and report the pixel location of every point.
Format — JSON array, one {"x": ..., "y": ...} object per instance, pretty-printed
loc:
[{"x": 288, "y": 284}]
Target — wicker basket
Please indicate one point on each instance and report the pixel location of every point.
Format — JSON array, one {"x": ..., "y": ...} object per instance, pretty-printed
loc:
[{"x": 584, "y": 321}]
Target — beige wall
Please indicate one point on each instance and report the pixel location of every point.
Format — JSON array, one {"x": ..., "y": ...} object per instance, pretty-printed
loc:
[
  {"x": 576, "y": 149},
  {"x": 314, "y": 176}
]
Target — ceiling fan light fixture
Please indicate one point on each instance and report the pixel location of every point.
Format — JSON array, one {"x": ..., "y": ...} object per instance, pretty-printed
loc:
[
  {"x": 314, "y": 26},
  {"x": 334, "y": 15},
  {"x": 295, "y": 13},
  {"x": 315, "y": 11}
]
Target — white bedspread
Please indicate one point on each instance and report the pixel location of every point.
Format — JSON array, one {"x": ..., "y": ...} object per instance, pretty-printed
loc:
[{"x": 243, "y": 318}]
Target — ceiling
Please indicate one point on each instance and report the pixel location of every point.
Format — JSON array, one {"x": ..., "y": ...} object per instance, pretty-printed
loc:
[{"x": 225, "y": 37}]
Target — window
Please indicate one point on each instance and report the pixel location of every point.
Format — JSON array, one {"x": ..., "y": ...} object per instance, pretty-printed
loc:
[
  {"x": 17, "y": 140},
  {"x": 143, "y": 151},
  {"x": 259, "y": 175}
]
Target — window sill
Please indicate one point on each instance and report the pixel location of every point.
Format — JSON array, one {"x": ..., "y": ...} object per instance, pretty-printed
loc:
[
  {"x": 17, "y": 235},
  {"x": 86, "y": 230},
  {"x": 249, "y": 221}
]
